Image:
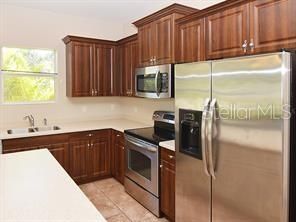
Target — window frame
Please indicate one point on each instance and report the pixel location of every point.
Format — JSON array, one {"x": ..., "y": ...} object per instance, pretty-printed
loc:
[{"x": 37, "y": 74}]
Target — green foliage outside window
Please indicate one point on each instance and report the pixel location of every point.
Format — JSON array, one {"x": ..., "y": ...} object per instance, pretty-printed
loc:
[{"x": 28, "y": 75}]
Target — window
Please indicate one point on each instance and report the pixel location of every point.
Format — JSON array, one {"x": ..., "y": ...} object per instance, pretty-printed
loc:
[{"x": 28, "y": 75}]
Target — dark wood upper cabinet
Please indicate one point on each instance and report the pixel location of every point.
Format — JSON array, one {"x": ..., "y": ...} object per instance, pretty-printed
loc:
[
  {"x": 227, "y": 32},
  {"x": 104, "y": 60},
  {"x": 146, "y": 44},
  {"x": 128, "y": 61},
  {"x": 90, "y": 66},
  {"x": 80, "y": 69},
  {"x": 272, "y": 25},
  {"x": 156, "y": 35},
  {"x": 190, "y": 41}
]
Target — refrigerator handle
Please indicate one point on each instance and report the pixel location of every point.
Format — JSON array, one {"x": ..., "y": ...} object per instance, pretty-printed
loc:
[
  {"x": 212, "y": 116},
  {"x": 203, "y": 137}
]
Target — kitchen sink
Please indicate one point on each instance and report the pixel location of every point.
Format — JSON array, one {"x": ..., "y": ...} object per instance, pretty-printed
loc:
[
  {"x": 21, "y": 130},
  {"x": 32, "y": 130},
  {"x": 46, "y": 128}
]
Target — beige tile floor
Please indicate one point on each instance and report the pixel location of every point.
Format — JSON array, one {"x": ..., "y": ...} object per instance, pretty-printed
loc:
[{"x": 115, "y": 204}]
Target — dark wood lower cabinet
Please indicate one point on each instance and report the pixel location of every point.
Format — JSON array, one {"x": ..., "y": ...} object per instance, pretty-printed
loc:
[
  {"x": 167, "y": 183},
  {"x": 118, "y": 156},
  {"x": 56, "y": 144}
]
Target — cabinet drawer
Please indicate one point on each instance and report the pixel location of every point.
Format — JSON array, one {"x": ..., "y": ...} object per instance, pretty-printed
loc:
[
  {"x": 167, "y": 155},
  {"x": 21, "y": 144}
]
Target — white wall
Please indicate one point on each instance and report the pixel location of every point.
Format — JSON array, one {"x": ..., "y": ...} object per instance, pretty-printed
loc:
[{"x": 24, "y": 27}]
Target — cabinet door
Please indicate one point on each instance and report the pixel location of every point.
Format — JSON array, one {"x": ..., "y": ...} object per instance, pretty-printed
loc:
[
  {"x": 119, "y": 157},
  {"x": 81, "y": 69},
  {"x": 167, "y": 188},
  {"x": 226, "y": 32},
  {"x": 272, "y": 25},
  {"x": 190, "y": 46},
  {"x": 130, "y": 57},
  {"x": 104, "y": 59},
  {"x": 99, "y": 158},
  {"x": 134, "y": 64},
  {"x": 145, "y": 39},
  {"x": 79, "y": 150},
  {"x": 61, "y": 153},
  {"x": 164, "y": 44}
]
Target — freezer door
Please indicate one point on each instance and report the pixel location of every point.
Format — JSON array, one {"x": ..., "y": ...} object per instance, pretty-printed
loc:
[
  {"x": 193, "y": 186},
  {"x": 249, "y": 146}
]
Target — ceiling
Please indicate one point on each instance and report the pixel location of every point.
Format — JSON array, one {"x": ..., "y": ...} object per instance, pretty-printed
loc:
[{"x": 125, "y": 11}]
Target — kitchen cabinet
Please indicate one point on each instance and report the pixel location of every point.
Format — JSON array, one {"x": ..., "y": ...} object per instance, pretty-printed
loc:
[
  {"x": 56, "y": 144},
  {"x": 90, "y": 66},
  {"x": 156, "y": 35},
  {"x": 272, "y": 25},
  {"x": 128, "y": 61},
  {"x": 236, "y": 28},
  {"x": 227, "y": 32},
  {"x": 90, "y": 155},
  {"x": 256, "y": 27},
  {"x": 118, "y": 156},
  {"x": 190, "y": 42},
  {"x": 167, "y": 183}
]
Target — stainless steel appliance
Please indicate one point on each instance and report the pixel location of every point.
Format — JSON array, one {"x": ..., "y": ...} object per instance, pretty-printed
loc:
[
  {"x": 142, "y": 159},
  {"x": 155, "y": 81},
  {"x": 234, "y": 137}
]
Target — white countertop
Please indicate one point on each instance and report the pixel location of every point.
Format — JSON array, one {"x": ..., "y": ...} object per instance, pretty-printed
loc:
[
  {"x": 168, "y": 145},
  {"x": 34, "y": 187},
  {"x": 117, "y": 124}
]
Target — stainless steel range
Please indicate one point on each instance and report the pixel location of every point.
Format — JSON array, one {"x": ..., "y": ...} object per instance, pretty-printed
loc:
[{"x": 142, "y": 159}]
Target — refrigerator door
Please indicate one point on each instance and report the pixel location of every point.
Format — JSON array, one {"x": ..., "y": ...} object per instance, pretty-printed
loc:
[
  {"x": 193, "y": 185},
  {"x": 250, "y": 139}
]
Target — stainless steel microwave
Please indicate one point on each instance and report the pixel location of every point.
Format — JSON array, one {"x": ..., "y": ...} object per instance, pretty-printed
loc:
[{"x": 155, "y": 81}]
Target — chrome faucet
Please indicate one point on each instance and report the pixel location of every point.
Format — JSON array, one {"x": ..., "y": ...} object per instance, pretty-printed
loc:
[{"x": 31, "y": 120}]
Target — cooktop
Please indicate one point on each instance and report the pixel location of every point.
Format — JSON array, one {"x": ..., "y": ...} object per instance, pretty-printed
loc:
[{"x": 153, "y": 135}]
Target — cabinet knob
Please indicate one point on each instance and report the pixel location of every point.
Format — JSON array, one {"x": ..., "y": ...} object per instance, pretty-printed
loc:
[
  {"x": 252, "y": 45},
  {"x": 123, "y": 148},
  {"x": 88, "y": 145},
  {"x": 171, "y": 157},
  {"x": 90, "y": 134},
  {"x": 245, "y": 46},
  {"x": 118, "y": 135},
  {"x": 160, "y": 166},
  {"x": 151, "y": 60}
]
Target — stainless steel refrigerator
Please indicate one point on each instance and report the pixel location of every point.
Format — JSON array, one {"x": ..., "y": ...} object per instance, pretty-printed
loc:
[{"x": 233, "y": 139}]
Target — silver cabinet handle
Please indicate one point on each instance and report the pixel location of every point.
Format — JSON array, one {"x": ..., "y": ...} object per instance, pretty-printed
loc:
[
  {"x": 252, "y": 45},
  {"x": 92, "y": 92},
  {"x": 151, "y": 60},
  {"x": 245, "y": 46},
  {"x": 203, "y": 137},
  {"x": 118, "y": 135},
  {"x": 123, "y": 148},
  {"x": 90, "y": 134},
  {"x": 88, "y": 145},
  {"x": 154, "y": 59},
  {"x": 171, "y": 157},
  {"x": 160, "y": 166},
  {"x": 96, "y": 92},
  {"x": 212, "y": 118}
]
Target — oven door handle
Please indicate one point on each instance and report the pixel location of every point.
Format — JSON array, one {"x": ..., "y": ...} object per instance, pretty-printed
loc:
[
  {"x": 150, "y": 149},
  {"x": 157, "y": 90}
]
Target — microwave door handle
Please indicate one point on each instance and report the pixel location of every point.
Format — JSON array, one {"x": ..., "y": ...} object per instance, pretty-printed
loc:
[
  {"x": 156, "y": 84},
  {"x": 203, "y": 137},
  {"x": 212, "y": 117},
  {"x": 150, "y": 149}
]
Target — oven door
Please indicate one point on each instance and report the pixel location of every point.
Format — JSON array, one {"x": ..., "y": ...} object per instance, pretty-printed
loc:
[
  {"x": 154, "y": 82},
  {"x": 142, "y": 163}
]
